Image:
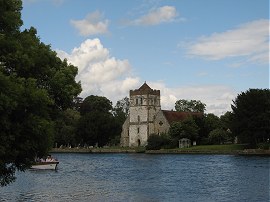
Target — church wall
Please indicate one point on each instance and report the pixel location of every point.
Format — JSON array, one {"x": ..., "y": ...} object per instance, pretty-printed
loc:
[
  {"x": 124, "y": 142},
  {"x": 136, "y": 138},
  {"x": 144, "y": 104},
  {"x": 161, "y": 124}
]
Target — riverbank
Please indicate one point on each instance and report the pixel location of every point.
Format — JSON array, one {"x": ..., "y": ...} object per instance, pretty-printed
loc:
[{"x": 208, "y": 149}]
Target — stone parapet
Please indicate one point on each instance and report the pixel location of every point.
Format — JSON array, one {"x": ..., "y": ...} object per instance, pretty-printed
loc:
[{"x": 144, "y": 92}]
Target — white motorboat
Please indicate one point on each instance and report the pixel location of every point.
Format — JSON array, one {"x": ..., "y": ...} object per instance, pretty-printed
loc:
[{"x": 48, "y": 165}]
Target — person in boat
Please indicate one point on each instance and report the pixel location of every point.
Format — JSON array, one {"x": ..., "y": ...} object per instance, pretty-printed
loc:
[{"x": 50, "y": 159}]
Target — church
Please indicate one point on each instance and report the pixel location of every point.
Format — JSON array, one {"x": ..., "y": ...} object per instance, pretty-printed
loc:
[{"x": 146, "y": 117}]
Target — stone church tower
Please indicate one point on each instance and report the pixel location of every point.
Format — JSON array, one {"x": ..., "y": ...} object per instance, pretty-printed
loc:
[
  {"x": 146, "y": 117},
  {"x": 144, "y": 105}
]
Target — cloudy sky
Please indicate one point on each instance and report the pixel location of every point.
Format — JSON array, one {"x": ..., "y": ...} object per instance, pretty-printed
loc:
[{"x": 189, "y": 49}]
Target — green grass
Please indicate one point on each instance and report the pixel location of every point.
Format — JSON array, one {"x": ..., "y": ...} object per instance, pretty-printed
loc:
[{"x": 228, "y": 147}]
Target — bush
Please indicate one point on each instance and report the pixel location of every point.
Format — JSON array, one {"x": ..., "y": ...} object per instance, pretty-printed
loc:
[
  {"x": 218, "y": 136},
  {"x": 156, "y": 142},
  {"x": 264, "y": 146}
]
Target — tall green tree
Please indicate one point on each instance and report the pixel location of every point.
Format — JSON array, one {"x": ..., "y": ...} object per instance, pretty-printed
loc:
[
  {"x": 121, "y": 110},
  {"x": 66, "y": 127},
  {"x": 190, "y": 106},
  {"x": 26, "y": 129},
  {"x": 94, "y": 103},
  {"x": 97, "y": 124},
  {"x": 251, "y": 116},
  {"x": 120, "y": 113},
  {"x": 10, "y": 17},
  {"x": 184, "y": 129},
  {"x": 226, "y": 122},
  {"x": 35, "y": 86},
  {"x": 218, "y": 136},
  {"x": 211, "y": 122}
]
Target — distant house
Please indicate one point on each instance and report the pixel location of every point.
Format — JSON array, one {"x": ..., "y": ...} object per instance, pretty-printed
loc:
[{"x": 146, "y": 117}]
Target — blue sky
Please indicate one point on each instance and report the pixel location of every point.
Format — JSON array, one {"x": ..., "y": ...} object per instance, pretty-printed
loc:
[{"x": 189, "y": 49}]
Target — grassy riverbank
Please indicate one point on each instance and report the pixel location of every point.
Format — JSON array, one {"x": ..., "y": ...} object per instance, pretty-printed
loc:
[{"x": 233, "y": 149}]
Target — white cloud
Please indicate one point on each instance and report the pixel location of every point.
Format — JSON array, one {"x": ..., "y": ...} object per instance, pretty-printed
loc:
[
  {"x": 99, "y": 73},
  {"x": 250, "y": 41},
  {"x": 218, "y": 98},
  {"x": 92, "y": 24},
  {"x": 104, "y": 75},
  {"x": 156, "y": 16}
]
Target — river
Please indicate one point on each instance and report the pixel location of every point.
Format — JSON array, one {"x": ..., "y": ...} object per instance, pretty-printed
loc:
[{"x": 145, "y": 177}]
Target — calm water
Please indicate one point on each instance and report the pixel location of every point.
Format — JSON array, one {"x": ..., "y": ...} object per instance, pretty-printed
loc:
[{"x": 142, "y": 177}]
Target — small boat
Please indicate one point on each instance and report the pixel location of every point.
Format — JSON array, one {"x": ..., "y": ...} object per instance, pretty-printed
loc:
[{"x": 48, "y": 165}]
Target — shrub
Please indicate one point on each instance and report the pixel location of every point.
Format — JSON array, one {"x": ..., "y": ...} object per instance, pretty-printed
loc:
[
  {"x": 156, "y": 142},
  {"x": 218, "y": 136},
  {"x": 264, "y": 145}
]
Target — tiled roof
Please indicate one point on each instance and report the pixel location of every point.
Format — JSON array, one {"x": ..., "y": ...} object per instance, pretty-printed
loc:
[{"x": 173, "y": 116}]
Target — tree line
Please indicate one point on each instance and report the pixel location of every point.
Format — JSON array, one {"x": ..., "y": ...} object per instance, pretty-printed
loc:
[
  {"x": 40, "y": 107},
  {"x": 247, "y": 123}
]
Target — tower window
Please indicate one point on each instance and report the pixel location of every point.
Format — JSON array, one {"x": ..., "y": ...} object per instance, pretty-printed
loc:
[
  {"x": 141, "y": 100},
  {"x": 138, "y": 130},
  {"x": 138, "y": 118}
]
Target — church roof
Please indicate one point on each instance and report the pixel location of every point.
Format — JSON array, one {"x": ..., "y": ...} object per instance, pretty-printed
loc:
[
  {"x": 145, "y": 87},
  {"x": 173, "y": 116},
  {"x": 144, "y": 90}
]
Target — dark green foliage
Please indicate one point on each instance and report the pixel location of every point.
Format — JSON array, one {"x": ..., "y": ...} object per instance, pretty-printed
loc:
[
  {"x": 35, "y": 86},
  {"x": 185, "y": 129},
  {"x": 226, "y": 120},
  {"x": 121, "y": 110},
  {"x": 190, "y": 106},
  {"x": 66, "y": 126},
  {"x": 211, "y": 122},
  {"x": 251, "y": 116},
  {"x": 10, "y": 16},
  {"x": 156, "y": 142},
  {"x": 203, "y": 131},
  {"x": 97, "y": 124},
  {"x": 26, "y": 129},
  {"x": 218, "y": 136},
  {"x": 94, "y": 103}
]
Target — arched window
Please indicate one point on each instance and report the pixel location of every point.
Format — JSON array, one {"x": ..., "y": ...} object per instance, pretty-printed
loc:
[{"x": 138, "y": 118}]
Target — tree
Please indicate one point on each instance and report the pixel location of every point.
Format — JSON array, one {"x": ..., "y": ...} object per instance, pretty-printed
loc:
[
  {"x": 156, "y": 142},
  {"x": 120, "y": 113},
  {"x": 94, "y": 103},
  {"x": 121, "y": 110},
  {"x": 203, "y": 131},
  {"x": 251, "y": 115},
  {"x": 26, "y": 128},
  {"x": 190, "y": 106},
  {"x": 10, "y": 18},
  {"x": 123, "y": 106},
  {"x": 66, "y": 126},
  {"x": 211, "y": 122},
  {"x": 226, "y": 122},
  {"x": 35, "y": 86},
  {"x": 218, "y": 136},
  {"x": 185, "y": 129},
  {"x": 97, "y": 124}
]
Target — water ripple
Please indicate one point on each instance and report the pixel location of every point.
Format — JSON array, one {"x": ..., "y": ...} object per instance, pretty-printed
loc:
[{"x": 142, "y": 177}]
